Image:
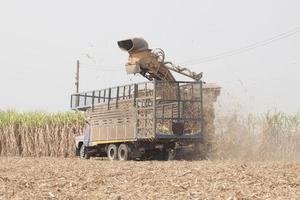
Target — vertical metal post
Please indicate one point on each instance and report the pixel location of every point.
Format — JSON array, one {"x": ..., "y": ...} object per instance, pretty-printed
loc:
[
  {"x": 71, "y": 103},
  {"x": 117, "y": 97},
  {"x": 109, "y": 95},
  {"x": 77, "y": 77},
  {"x": 202, "y": 110},
  {"x": 154, "y": 107},
  {"x": 129, "y": 91},
  {"x": 124, "y": 92},
  {"x": 172, "y": 113},
  {"x": 77, "y": 100},
  {"x": 135, "y": 93},
  {"x": 77, "y": 84},
  {"x": 99, "y": 96},
  {"x": 178, "y": 102},
  {"x": 104, "y": 96},
  {"x": 93, "y": 100},
  {"x": 192, "y": 95},
  {"x": 163, "y": 113},
  {"x": 85, "y": 96},
  {"x": 137, "y": 116}
]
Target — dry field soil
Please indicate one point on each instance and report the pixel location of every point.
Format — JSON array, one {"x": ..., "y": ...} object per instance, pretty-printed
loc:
[{"x": 72, "y": 178}]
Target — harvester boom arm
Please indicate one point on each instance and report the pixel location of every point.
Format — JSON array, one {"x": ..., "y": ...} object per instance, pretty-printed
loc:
[{"x": 184, "y": 71}]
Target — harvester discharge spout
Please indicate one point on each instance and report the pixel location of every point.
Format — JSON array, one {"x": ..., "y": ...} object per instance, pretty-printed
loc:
[{"x": 133, "y": 45}]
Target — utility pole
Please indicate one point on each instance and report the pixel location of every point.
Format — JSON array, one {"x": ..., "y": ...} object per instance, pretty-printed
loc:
[{"x": 77, "y": 77}]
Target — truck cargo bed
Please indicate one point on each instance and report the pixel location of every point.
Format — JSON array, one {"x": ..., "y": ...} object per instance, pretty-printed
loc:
[{"x": 152, "y": 111}]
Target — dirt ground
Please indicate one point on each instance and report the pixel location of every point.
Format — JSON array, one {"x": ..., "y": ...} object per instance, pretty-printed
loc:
[{"x": 72, "y": 178}]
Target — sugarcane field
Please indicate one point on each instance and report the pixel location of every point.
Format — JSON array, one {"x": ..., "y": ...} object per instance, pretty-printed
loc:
[{"x": 150, "y": 100}]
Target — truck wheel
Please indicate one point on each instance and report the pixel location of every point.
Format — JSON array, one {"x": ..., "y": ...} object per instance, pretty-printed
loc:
[
  {"x": 82, "y": 153},
  {"x": 112, "y": 152},
  {"x": 171, "y": 153},
  {"x": 123, "y": 152}
]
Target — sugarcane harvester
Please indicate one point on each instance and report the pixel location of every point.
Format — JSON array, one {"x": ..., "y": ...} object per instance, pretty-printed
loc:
[{"x": 154, "y": 119}]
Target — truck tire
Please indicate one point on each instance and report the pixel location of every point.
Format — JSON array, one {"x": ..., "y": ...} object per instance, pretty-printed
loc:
[
  {"x": 170, "y": 155},
  {"x": 82, "y": 153},
  {"x": 112, "y": 152},
  {"x": 123, "y": 152}
]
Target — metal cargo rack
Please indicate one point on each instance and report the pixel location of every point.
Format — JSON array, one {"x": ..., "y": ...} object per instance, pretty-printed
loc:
[{"x": 162, "y": 110}]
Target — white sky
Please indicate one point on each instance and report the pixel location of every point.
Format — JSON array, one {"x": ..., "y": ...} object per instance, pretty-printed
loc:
[{"x": 41, "y": 40}]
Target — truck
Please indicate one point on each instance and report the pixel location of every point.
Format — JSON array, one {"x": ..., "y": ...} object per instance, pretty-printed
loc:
[{"x": 149, "y": 120}]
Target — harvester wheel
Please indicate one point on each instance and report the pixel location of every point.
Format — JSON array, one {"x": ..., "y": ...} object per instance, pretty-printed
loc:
[
  {"x": 123, "y": 152},
  {"x": 112, "y": 152}
]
